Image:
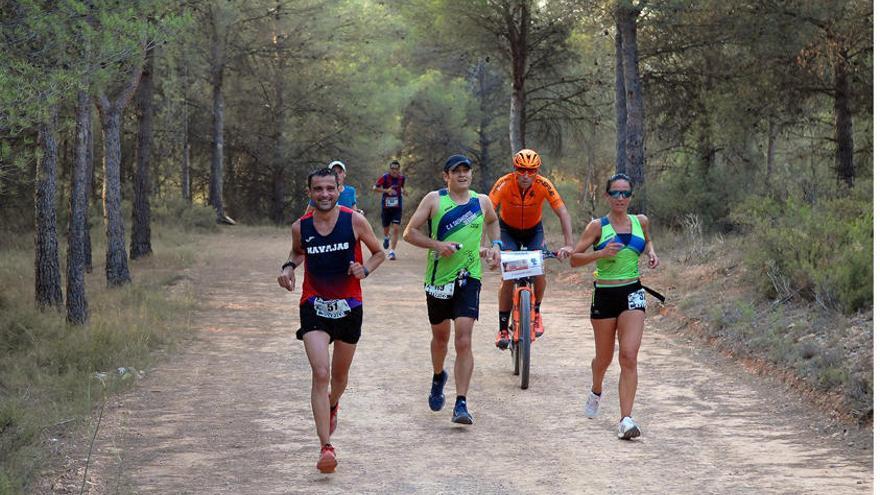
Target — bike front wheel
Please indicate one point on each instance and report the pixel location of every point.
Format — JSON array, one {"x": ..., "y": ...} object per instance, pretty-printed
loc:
[{"x": 524, "y": 345}]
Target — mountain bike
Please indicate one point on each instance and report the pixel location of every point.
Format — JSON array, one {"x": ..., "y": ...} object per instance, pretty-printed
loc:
[{"x": 523, "y": 266}]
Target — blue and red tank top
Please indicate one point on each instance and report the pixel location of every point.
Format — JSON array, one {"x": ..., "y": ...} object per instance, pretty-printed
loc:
[{"x": 327, "y": 260}]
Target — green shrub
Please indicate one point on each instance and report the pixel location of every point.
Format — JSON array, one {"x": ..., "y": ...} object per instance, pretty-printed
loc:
[
  {"x": 181, "y": 214},
  {"x": 820, "y": 252}
]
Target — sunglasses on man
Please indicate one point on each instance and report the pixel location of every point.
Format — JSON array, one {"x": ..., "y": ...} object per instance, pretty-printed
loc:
[
  {"x": 620, "y": 194},
  {"x": 526, "y": 171}
]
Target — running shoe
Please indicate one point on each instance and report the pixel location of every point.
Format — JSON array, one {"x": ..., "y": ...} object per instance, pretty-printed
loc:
[
  {"x": 539, "y": 325},
  {"x": 327, "y": 462},
  {"x": 461, "y": 415},
  {"x": 628, "y": 429},
  {"x": 392, "y": 256},
  {"x": 502, "y": 340},
  {"x": 592, "y": 407},
  {"x": 437, "y": 399},
  {"x": 385, "y": 243},
  {"x": 333, "y": 412}
]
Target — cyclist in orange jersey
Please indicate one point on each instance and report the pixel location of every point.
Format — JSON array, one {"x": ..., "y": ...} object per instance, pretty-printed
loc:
[{"x": 521, "y": 195}]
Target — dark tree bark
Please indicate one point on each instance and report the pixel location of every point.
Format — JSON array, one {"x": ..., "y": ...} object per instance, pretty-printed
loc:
[
  {"x": 620, "y": 101},
  {"x": 483, "y": 89},
  {"x": 215, "y": 191},
  {"x": 111, "y": 123},
  {"x": 185, "y": 181},
  {"x": 89, "y": 190},
  {"x": 47, "y": 274},
  {"x": 843, "y": 122},
  {"x": 77, "y": 304},
  {"x": 771, "y": 145},
  {"x": 140, "y": 212},
  {"x": 517, "y": 35},
  {"x": 635, "y": 114}
]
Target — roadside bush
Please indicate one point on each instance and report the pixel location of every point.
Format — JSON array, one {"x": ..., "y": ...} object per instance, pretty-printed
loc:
[
  {"x": 181, "y": 214},
  {"x": 820, "y": 252}
]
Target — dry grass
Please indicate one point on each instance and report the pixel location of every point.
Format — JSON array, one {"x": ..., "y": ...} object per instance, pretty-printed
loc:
[{"x": 53, "y": 374}]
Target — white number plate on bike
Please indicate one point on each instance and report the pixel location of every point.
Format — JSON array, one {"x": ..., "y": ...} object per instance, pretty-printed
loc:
[
  {"x": 441, "y": 291},
  {"x": 520, "y": 264},
  {"x": 333, "y": 309}
]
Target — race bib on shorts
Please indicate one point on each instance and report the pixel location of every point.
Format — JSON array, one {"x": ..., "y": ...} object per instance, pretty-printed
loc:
[
  {"x": 637, "y": 300},
  {"x": 392, "y": 202},
  {"x": 333, "y": 309},
  {"x": 440, "y": 291}
]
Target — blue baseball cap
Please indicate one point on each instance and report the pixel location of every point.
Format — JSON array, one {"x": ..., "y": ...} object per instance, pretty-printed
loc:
[{"x": 456, "y": 160}]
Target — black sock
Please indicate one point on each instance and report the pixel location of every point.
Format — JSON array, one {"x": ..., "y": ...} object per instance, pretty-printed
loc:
[
  {"x": 438, "y": 376},
  {"x": 504, "y": 319},
  {"x": 537, "y": 307},
  {"x": 460, "y": 398}
]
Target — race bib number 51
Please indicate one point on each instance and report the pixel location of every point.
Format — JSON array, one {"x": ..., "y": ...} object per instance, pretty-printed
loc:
[{"x": 333, "y": 309}]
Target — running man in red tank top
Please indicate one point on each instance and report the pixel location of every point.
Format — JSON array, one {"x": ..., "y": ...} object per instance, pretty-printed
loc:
[{"x": 328, "y": 242}]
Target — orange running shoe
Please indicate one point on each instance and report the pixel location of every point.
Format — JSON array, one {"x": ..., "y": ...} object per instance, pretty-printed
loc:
[
  {"x": 327, "y": 462},
  {"x": 502, "y": 340},
  {"x": 333, "y": 412},
  {"x": 539, "y": 325}
]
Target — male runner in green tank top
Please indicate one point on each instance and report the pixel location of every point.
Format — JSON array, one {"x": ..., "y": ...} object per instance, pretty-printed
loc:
[{"x": 456, "y": 218}]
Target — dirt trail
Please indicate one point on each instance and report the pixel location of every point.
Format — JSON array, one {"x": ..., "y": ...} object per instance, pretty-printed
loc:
[{"x": 230, "y": 413}]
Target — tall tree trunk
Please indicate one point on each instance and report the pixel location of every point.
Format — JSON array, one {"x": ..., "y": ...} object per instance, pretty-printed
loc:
[
  {"x": 47, "y": 274},
  {"x": 771, "y": 145},
  {"x": 215, "y": 191},
  {"x": 843, "y": 121},
  {"x": 482, "y": 85},
  {"x": 89, "y": 189},
  {"x": 277, "y": 211},
  {"x": 519, "y": 52},
  {"x": 620, "y": 100},
  {"x": 117, "y": 261},
  {"x": 140, "y": 211},
  {"x": 635, "y": 114},
  {"x": 111, "y": 123},
  {"x": 185, "y": 186},
  {"x": 77, "y": 304}
]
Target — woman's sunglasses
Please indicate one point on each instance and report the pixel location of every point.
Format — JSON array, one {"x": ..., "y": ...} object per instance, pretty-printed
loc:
[
  {"x": 620, "y": 194},
  {"x": 526, "y": 171}
]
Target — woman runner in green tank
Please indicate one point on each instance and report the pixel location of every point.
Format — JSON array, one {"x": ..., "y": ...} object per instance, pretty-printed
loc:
[
  {"x": 618, "y": 307},
  {"x": 456, "y": 218}
]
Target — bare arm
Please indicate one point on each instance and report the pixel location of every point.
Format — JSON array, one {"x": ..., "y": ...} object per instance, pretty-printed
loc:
[
  {"x": 364, "y": 233},
  {"x": 582, "y": 256},
  {"x": 287, "y": 278},
  {"x": 492, "y": 230},
  {"x": 653, "y": 260},
  {"x": 414, "y": 234},
  {"x": 565, "y": 220}
]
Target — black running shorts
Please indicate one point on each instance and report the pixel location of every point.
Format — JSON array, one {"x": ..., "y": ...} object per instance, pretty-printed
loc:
[
  {"x": 465, "y": 301},
  {"x": 391, "y": 215},
  {"x": 346, "y": 329},
  {"x": 609, "y": 302}
]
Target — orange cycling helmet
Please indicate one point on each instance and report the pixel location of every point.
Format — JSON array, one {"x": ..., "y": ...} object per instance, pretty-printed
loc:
[{"x": 526, "y": 158}]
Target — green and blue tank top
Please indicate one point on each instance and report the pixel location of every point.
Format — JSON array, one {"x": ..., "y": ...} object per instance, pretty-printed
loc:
[
  {"x": 625, "y": 264},
  {"x": 455, "y": 223}
]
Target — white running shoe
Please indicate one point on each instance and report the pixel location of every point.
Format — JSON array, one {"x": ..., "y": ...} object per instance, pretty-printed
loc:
[
  {"x": 628, "y": 429},
  {"x": 592, "y": 407}
]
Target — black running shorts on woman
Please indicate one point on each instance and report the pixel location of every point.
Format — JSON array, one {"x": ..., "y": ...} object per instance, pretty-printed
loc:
[{"x": 609, "y": 302}]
